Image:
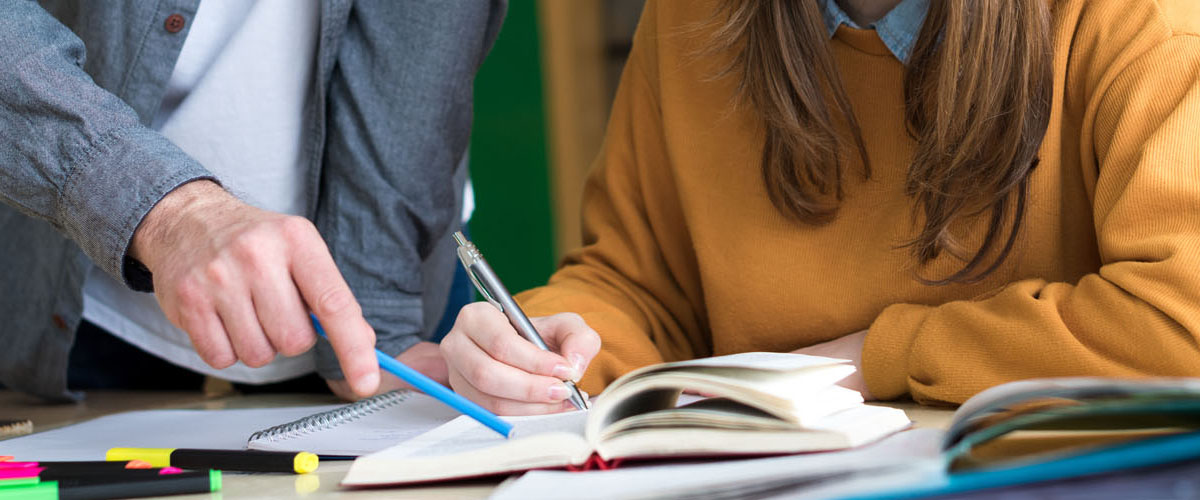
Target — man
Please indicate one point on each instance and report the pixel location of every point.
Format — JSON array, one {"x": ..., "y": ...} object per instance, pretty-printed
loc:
[{"x": 117, "y": 174}]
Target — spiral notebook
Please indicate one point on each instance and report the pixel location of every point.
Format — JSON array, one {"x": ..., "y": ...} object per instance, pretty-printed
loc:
[{"x": 366, "y": 426}]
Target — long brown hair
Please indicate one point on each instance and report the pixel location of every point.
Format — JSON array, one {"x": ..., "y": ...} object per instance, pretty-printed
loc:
[{"x": 977, "y": 92}]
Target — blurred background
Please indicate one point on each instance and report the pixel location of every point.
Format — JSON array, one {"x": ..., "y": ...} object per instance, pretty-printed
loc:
[{"x": 541, "y": 102}]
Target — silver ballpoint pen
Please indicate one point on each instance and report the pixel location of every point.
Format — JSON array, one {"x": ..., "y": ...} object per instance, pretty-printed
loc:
[{"x": 493, "y": 290}]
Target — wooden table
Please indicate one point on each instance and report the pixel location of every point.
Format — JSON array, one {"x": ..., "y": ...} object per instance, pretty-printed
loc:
[{"x": 321, "y": 484}]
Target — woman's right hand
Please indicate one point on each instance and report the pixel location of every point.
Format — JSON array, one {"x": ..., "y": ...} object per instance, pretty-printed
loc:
[{"x": 494, "y": 366}]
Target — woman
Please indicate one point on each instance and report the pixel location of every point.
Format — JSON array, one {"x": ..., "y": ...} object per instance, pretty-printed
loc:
[{"x": 1007, "y": 189}]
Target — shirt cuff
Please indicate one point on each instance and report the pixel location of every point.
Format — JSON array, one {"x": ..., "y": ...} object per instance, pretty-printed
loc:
[{"x": 116, "y": 183}]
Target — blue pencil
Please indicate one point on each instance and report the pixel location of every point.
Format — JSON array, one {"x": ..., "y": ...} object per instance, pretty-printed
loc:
[{"x": 438, "y": 391}]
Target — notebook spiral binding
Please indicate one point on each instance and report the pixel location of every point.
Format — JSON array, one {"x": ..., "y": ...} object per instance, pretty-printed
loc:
[{"x": 332, "y": 418}]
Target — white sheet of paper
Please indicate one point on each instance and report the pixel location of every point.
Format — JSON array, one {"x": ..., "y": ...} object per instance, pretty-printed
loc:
[{"x": 214, "y": 429}]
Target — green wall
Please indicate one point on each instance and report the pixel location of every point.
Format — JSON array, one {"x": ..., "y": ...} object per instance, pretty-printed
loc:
[{"x": 512, "y": 224}]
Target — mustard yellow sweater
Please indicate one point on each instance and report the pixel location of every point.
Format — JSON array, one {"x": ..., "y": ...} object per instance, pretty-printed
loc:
[{"x": 686, "y": 257}]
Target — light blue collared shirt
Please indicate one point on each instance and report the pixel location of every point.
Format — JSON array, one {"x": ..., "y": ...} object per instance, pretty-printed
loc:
[{"x": 898, "y": 29}]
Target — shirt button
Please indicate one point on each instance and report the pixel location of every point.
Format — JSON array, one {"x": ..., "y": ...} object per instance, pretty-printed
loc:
[
  {"x": 59, "y": 322},
  {"x": 175, "y": 23}
]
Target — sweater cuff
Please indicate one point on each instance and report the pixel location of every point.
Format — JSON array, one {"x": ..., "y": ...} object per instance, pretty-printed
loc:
[{"x": 886, "y": 350}]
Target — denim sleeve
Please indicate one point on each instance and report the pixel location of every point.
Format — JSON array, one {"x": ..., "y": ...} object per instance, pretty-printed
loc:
[
  {"x": 399, "y": 118},
  {"x": 72, "y": 153}
]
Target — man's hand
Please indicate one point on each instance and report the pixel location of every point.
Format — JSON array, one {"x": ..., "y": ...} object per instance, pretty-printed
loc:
[
  {"x": 240, "y": 281},
  {"x": 849, "y": 347},
  {"x": 424, "y": 357}
]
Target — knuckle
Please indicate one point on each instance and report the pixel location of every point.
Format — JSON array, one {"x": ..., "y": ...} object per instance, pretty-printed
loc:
[
  {"x": 188, "y": 316},
  {"x": 220, "y": 359},
  {"x": 297, "y": 341},
  {"x": 208, "y": 349},
  {"x": 546, "y": 361},
  {"x": 218, "y": 273},
  {"x": 472, "y": 312},
  {"x": 500, "y": 347},
  {"x": 478, "y": 375},
  {"x": 296, "y": 228},
  {"x": 258, "y": 357},
  {"x": 450, "y": 347},
  {"x": 359, "y": 352},
  {"x": 336, "y": 302},
  {"x": 535, "y": 393},
  {"x": 249, "y": 244},
  {"x": 446, "y": 348},
  {"x": 190, "y": 295}
]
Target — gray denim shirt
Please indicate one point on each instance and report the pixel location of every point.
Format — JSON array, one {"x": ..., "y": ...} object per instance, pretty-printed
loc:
[{"x": 80, "y": 80}]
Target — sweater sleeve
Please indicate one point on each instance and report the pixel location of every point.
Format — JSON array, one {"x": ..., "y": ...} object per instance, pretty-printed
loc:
[
  {"x": 634, "y": 280},
  {"x": 1136, "y": 316}
]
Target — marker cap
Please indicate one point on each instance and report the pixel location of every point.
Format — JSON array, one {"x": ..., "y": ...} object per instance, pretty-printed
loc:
[
  {"x": 157, "y": 457},
  {"x": 306, "y": 462}
]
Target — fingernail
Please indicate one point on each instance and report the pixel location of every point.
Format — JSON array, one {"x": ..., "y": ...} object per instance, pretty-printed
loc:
[
  {"x": 562, "y": 372},
  {"x": 577, "y": 362},
  {"x": 558, "y": 392},
  {"x": 369, "y": 383}
]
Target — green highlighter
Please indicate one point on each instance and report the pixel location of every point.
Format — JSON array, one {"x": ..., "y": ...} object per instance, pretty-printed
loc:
[
  {"x": 98, "y": 487},
  {"x": 28, "y": 490},
  {"x": 21, "y": 481}
]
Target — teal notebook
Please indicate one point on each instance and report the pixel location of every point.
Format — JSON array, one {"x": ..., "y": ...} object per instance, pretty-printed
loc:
[
  {"x": 1053, "y": 429},
  {"x": 1138, "y": 454}
]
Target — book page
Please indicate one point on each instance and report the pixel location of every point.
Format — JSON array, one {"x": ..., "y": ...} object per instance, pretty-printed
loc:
[
  {"x": 774, "y": 361},
  {"x": 794, "y": 396},
  {"x": 913, "y": 453},
  {"x": 849, "y": 428},
  {"x": 465, "y": 448}
]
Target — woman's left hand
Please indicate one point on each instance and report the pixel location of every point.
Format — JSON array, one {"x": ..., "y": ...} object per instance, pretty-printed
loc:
[{"x": 848, "y": 347}]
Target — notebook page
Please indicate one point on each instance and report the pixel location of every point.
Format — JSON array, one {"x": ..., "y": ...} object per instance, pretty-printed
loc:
[
  {"x": 367, "y": 432},
  {"x": 220, "y": 429}
]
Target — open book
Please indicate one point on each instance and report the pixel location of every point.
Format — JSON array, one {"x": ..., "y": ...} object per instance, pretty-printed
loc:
[
  {"x": 757, "y": 404},
  {"x": 1034, "y": 431}
]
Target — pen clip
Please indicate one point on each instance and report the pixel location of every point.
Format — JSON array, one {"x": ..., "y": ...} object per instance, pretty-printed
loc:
[{"x": 468, "y": 254}]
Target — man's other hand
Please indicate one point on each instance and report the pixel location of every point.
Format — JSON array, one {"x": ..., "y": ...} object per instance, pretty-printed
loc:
[
  {"x": 240, "y": 281},
  {"x": 424, "y": 357}
]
